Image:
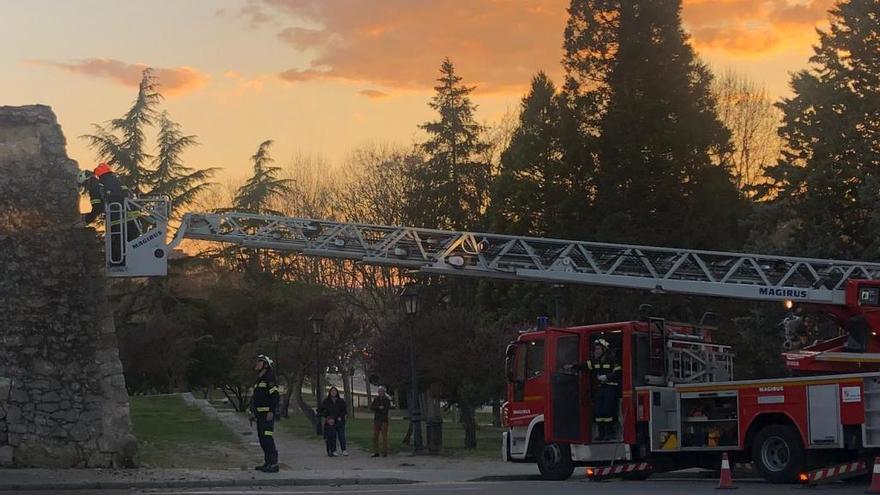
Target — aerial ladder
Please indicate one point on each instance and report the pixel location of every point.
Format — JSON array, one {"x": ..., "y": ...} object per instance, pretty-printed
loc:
[{"x": 847, "y": 291}]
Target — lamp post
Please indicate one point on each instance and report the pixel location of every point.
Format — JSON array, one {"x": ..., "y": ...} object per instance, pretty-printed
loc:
[
  {"x": 410, "y": 297},
  {"x": 276, "y": 338},
  {"x": 317, "y": 322}
]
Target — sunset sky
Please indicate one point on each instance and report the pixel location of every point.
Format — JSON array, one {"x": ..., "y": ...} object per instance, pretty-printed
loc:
[{"x": 325, "y": 76}]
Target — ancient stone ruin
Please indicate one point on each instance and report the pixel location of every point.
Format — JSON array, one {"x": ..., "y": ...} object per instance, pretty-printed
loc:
[{"x": 63, "y": 401}]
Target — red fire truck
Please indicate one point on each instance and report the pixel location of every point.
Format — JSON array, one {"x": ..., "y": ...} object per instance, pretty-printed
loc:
[{"x": 678, "y": 404}]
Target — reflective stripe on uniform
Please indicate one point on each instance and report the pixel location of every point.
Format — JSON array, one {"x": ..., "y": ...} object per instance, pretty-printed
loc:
[
  {"x": 96, "y": 201},
  {"x": 613, "y": 384},
  {"x": 273, "y": 390},
  {"x": 617, "y": 368},
  {"x": 604, "y": 420},
  {"x": 267, "y": 433},
  {"x": 261, "y": 385},
  {"x": 589, "y": 365},
  {"x": 264, "y": 409}
]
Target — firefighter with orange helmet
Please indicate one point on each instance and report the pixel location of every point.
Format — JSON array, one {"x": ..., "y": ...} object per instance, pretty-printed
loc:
[{"x": 103, "y": 186}]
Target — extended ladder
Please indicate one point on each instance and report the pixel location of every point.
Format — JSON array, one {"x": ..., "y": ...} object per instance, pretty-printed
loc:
[{"x": 661, "y": 270}]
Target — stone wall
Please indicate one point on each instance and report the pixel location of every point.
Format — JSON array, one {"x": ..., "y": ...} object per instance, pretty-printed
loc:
[{"x": 63, "y": 401}]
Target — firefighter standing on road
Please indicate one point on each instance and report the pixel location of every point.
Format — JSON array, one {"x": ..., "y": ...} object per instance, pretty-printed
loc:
[{"x": 264, "y": 407}]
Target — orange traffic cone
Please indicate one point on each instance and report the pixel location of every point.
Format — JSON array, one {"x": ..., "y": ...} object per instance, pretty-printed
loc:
[
  {"x": 726, "y": 482},
  {"x": 875, "y": 478}
]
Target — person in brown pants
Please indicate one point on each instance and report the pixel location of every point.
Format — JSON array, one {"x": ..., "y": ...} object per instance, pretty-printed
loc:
[{"x": 380, "y": 406}]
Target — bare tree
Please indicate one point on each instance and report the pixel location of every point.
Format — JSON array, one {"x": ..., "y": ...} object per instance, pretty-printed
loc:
[{"x": 746, "y": 109}]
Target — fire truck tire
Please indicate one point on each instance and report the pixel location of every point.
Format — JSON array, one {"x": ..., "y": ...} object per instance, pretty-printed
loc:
[
  {"x": 778, "y": 453},
  {"x": 554, "y": 461}
]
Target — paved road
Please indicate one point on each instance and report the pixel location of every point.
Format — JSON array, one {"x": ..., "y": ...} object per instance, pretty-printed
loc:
[{"x": 580, "y": 487}]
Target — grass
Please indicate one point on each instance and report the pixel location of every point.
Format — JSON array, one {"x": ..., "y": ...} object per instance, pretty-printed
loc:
[
  {"x": 172, "y": 434},
  {"x": 359, "y": 432}
]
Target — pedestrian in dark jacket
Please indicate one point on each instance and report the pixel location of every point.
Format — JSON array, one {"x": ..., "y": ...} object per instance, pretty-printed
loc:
[
  {"x": 380, "y": 406},
  {"x": 263, "y": 407},
  {"x": 334, "y": 410}
]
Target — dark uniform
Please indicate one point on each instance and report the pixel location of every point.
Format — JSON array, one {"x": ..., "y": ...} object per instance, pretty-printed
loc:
[
  {"x": 104, "y": 190},
  {"x": 265, "y": 401},
  {"x": 605, "y": 393}
]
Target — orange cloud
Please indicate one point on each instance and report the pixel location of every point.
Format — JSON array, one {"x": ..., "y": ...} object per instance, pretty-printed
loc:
[
  {"x": 174, "y": 80},
  {"x": 754, "y": 28},
  {"x": 373, "y": 94},
  {"x": 496, "y": 44}
]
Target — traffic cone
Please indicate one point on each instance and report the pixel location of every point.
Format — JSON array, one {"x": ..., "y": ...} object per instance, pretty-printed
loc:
[
  {"x": 875, "y": 478},
  {"x": 726, "y": 482}
]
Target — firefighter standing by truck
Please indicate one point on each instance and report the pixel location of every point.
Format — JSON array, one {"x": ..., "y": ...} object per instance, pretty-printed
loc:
[{"x": 264, "y": 406}]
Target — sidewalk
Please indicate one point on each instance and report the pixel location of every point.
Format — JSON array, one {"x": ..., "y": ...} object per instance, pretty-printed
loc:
[{"x": 303, "y": 462}]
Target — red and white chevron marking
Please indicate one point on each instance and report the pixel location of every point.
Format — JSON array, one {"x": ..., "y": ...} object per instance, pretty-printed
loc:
[
  {"x": 830, "y": 473},
  {"x": 633, "y": 467}
]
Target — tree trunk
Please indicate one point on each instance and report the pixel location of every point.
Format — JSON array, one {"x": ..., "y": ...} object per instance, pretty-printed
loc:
[
  {"x": 469, "y": 423},
  {"x": 307, "y": 411},
  {"x": 285, "y": 404},
  {"x": 346, "y": 389},
  {"x": 367, "y": 386}
]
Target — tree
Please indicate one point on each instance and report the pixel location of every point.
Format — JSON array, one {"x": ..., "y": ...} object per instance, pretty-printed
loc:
[
  {"x": 122, "y": 142},
  {"x": 590, "y": 48},
  {"x": 826, "y": 186},
  {"x": 264, "y": 185},
  {"x": 525, "y": 193},
  {"x": 747, "y": 111},
  {"x": 658, "y": 180},
  {"x": 169, "y": 176},
  {"x": 451, "y": 186}
]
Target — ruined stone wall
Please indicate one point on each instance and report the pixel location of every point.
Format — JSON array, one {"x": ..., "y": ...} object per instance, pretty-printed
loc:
[{"x": 63, "y": 401}]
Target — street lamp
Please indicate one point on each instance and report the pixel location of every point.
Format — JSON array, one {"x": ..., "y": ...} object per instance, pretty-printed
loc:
[
  {"x": 410, "y": 297},
  {"x": 276, "y": 338},
  {"x": 317, "y": 322}
]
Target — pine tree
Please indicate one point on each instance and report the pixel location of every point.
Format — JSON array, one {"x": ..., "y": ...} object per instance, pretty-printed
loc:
[
  {"x": 590, "y": 49},
  {"x": 170, "y": 177},
  {"x": 659, "y": 181},
  {"x": 122, "y": 142},
  {"x": 523, "y": 199},
  {"x": 264, "y": 185},
  {"x": 452, "y": 184},
  {"x": 826, "y": 187}
]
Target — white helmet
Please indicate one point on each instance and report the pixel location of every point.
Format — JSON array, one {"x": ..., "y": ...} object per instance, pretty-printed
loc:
[
  {"x": 266, "y": 359},
  {"x": 83, "y": 176}
]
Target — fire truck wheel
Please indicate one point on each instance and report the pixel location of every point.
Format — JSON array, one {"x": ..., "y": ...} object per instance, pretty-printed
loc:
[
  {"x": 778, "y": 453},
  {"x": 554, "y": 462}
]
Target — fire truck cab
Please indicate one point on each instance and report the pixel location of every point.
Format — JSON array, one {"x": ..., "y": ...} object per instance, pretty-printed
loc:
[{"x": 678, "y": 406}]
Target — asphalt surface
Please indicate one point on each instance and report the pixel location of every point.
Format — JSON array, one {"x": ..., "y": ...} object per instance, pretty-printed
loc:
[{"x": 580, "y": 487}]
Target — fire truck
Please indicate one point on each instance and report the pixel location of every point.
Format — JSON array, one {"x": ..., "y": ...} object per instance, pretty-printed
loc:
[{"x": 678, "y": 403}]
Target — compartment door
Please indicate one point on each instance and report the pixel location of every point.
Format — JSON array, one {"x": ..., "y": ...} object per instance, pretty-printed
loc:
[
  {"x": 824, "y": 407},
  {"x": 566, "y": 415}
]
